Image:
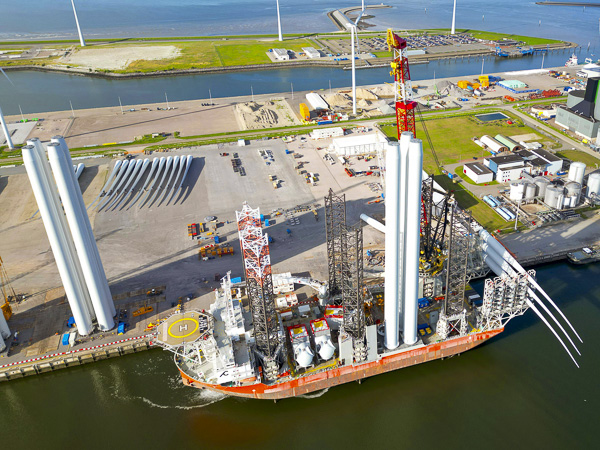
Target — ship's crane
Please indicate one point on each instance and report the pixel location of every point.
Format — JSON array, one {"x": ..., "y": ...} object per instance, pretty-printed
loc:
[{"x": 405, "y": 119}]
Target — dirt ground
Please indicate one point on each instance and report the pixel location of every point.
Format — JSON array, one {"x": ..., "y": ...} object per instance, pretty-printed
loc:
[
  {"x": 272, "y": 113},
  {"x": 118, "y": 58}
]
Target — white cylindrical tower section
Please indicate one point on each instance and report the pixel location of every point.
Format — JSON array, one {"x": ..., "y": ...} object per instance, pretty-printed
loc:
[
  {"x": 89, "y": 234},
  {"x": 57, "y": 235},
  {"x": 4, "y": 329},
  {"x": 68, "y": 194},
  {"x": 9, "y": 141},
  {"x": 405, "y": 138},
  {"x": 392, "y": 244},
  {"x": 412, "y": 240},
  {"x": 81, "y": 40}
]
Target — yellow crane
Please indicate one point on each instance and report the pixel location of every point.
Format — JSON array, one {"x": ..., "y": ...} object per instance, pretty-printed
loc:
[{"x": 7, "y": 292}]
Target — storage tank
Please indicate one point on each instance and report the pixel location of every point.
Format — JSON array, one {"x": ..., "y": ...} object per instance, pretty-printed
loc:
[
  {"x": 542, "y": 183},
  {"x": 560, "y": 201},
  {"x": 517, "y": 190},
  {"x": 551, "y": 195},
  {"x": 576, "y": 172},
  {"x": 530, "y": 191},
  {"x": 593, "y": 184},
  {"x": 573, "y": 190}
]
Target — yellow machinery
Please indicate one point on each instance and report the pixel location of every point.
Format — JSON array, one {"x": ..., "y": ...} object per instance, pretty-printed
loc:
[
  {"x": 304, "y": 112},
  {"x": 143, "y": 310},
  {"x": 7, "y": 292}
]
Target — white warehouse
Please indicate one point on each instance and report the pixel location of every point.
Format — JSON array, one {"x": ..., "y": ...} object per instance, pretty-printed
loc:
[
  {"x": 358, "y": 145},
  {"x": 324, "y": 133},
  {"x": 311, "y": 52},
  {"x": 281, "y": 54},
  {"x": 316, "y": 101},
  {"x": 478, "y": 172}
]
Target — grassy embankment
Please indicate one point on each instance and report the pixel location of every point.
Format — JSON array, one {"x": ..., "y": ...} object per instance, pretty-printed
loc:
[
  {"x": 576, "y": 155},
  {"x": 451, "y": 137}
]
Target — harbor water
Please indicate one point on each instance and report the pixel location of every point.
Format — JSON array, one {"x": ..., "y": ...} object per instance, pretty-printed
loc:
[
  {"x": 37, "y": 92},
  {"x": 518, "y": 390}
]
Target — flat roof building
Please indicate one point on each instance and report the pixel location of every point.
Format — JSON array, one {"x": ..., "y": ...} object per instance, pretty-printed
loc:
[
  {"x": 478, "y": 172},
  {"x": 281, "y": 54},
  {"x": 311, "y": 52}
]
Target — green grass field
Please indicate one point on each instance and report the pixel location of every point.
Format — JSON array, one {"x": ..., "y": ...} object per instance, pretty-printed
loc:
[
  {"x": 221, "y": 53},
  {"x": 451, "y": 137},
  {"x": 576, "y": 155}
]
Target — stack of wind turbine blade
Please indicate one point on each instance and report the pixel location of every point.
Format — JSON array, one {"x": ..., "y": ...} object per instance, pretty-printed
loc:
[
  {"x": 161, "y": 164},
  {"x": 155, "y": 164},
  {"x": 188, "y": 164},
  {"x": 174, "y": 170},
  {"x": 127, "y": 194},
  {"x": 108, "y": 182}
]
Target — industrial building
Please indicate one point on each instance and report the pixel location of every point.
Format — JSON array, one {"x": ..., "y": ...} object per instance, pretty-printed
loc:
[
  {"x": 324, "y": 133},
  {"x": 493, "y": 145},
  {"x": 541, "y": 161},
  {"x": 311, "y": 52},
  {"x": 478, "y": 172},
  {"x": 358, "y": 145},
  {"x": 316, "y": 101},
  {"x": 507, "y": 168},
  {"x": 281, "y": 54},
  {"x": 581, "y": 114},
  {"x": 511, "y": 144}
]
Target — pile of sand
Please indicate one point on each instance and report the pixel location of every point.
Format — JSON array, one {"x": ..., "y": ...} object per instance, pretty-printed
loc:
[
  {"x": 339, "y": 100},
  {"x": 118, "y": 58},
  {"x": 253, "y": 115},
  {"x": 362, "y": 103},
  {"x": 384, "y": 90},
  {"x": 366, "y": 94}
]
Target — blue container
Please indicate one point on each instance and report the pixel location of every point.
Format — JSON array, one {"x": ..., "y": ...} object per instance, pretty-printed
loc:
[
  {"x": 121, "y": 328},
  {"x": 217, "y": 239},
  {"x": 288, "y": 231},
  {"x": 71, "y": 322},
  {"x": 266, "y": 222},
  {"x": 236, "y": 280},
  {"x": 262, "y": 217},
  {"x": 65, "y": 339}
]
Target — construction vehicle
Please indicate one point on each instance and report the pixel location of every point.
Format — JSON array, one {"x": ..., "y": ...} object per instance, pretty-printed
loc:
[
  {"x": 143, "y": 310},
  {"x": 153, "y": 292},
  {"x": 8, "y": 292}
]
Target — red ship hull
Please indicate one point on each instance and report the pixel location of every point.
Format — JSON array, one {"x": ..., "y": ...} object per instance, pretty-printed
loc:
[{"x": 340, "y": 375}]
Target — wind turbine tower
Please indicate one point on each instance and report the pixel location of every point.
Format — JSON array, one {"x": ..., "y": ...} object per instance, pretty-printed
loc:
[
  {"x": 6, "y": 132},
  {"x": 279, "y": 22},
  {"x": 453, "y": 19},
  {"x": 81, "y": 40}
]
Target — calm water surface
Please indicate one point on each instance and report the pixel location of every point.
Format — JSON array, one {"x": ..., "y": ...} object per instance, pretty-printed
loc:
[{"x": 520, "y": 390}]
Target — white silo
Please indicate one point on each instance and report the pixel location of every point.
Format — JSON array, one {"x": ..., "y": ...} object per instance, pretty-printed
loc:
[
  {"x": 593, "y": 184},
  {"x": 541, "y": 183},
  {"x": 573, "y": 190},
  {"x": 552, "y": 194},
  {"x": 517, "y": 190},
  {"x": 576, "y": 172},
  {"x": 58, "y": 235},
  {"x": 530, "y": 191},
  {"x": 77, "y": 219}
]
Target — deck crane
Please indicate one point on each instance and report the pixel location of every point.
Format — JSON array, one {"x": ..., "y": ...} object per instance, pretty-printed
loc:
[{"x": 405, "y": 119}]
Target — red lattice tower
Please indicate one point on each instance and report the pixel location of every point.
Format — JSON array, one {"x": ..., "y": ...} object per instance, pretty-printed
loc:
[
  {"x": 405, "y": 105},
  {"x": 259, "y": 282}
]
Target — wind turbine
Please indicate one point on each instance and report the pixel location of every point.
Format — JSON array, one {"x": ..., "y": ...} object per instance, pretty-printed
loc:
[
  {"x": 81, "y": 40},
  {"x": 279, "y": 22},
  {"x": 3, "y": 122},
  {"x": 453, "y": 31},
  {"x": 354, "y": 29}
]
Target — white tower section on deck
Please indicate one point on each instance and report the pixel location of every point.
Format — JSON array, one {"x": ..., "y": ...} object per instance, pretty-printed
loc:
[
  {"x": 85, "y": 243},
  {"x": 412, "y": 239},
  {"x": 58, "y": 235},
  {"x": 81, "y": 40},
  {"x": 393, "y": 240},
  {"x": 453, "y": 30},
  {"x": 6, "y": 132},
  {"x": 279, "y": 22}
]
